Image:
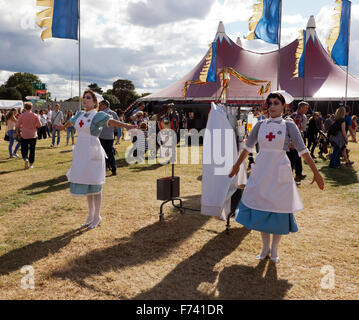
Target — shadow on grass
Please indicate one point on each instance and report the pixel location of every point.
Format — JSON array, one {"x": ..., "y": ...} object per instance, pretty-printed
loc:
[
  {"x": 146, "y": 168},
  {"x": 247, "y": 283},
  {"x": 342, "y": 176},
  {"x": 27, "y": 255},
  {"x": 185, "y": 281},
  {"x": 120, "y": 163},
  {"x": 47, "y": 186},
  {"x": 11, "y": 171},
  {"x": 148, "y": 244}
]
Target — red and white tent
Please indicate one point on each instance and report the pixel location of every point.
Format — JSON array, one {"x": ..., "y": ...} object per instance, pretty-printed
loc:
[{"x": 324, "y": 80}]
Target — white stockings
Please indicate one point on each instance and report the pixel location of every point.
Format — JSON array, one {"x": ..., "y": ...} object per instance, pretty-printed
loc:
[
  {"x": 266, "y": 246},
  {"x": 94, "y": 205}
]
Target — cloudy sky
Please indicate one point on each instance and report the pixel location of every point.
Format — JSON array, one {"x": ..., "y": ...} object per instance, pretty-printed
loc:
[{"x": 151, "y": 42}]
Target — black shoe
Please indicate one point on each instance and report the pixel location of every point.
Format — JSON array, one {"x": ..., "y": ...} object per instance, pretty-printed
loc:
[
  {"x": 113, "y": 173},
  {"x": 300, "y": 177}
]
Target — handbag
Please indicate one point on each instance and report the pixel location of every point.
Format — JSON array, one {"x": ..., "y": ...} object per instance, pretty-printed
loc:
[{"x": 6, "y": 138}]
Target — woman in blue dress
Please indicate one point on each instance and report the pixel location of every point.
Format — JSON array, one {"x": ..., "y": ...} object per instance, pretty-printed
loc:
[
  {"x": 87, "y": 172},
  {"x": 270, "y": 197}
]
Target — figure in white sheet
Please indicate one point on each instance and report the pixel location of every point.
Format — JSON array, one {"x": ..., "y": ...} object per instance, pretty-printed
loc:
[
  {"x": 270, "y": 197},
  {"x": 219, "y": 155},
  {"x": 87, "y": 172}
]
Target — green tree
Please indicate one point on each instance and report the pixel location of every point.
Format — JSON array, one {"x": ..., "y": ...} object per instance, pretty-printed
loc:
[
  {"x": 23, "y": 82},
  {"x": 94, "y": 87},
  {"x": 124, "y": 90},
  {"x": 9, "y": 93},
  {"x": 114, "y": 102}
]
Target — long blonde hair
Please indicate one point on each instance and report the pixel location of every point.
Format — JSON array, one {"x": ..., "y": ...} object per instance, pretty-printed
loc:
[{"x": 339, "y": 113}]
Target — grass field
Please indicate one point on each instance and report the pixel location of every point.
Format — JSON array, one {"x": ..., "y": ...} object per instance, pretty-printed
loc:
[{"x": 186, "y": 256}]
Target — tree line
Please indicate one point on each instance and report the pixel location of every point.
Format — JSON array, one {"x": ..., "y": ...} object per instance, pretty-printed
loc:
[{"x": 20, "y": 85}]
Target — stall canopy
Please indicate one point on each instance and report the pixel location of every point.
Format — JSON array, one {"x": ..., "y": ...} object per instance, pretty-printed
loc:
[
  {"x": 9, "y": 104},
  {"x": 323, "y": 79}
]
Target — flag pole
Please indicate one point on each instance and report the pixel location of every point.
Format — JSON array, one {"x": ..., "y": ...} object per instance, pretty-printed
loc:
[
  {"x": 347, "y": 75},
  {"x": 79, "y": 7},
  {"x": 279, "y": 38}
]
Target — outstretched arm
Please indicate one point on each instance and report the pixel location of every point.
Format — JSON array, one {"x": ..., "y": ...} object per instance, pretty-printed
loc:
[
  {"x": 64, "y": 126},
  {"x": 117, "y": 123},
  {"x": 317, "y": 177},
  {"x": 235, "y": 169}
]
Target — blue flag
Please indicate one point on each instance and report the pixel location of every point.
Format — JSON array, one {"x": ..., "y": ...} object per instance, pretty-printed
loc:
[
  {"x": 60, "y": 19},
  {"x": 338, "y": 40},
  {"x": 264, "y": 24}
]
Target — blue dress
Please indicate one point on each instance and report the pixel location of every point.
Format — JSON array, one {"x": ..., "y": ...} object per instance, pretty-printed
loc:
[
  {"x": 99, "y": 121},
  {"x": 264, "y": 221}
]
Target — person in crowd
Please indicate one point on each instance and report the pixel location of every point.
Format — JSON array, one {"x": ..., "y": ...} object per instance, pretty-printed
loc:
[
  {"x": 48, "y": 117},
  {"x": 328, "y": 122},
  {"x": 270, "y": 197},
  {"x": 107, "y": 137},
  {"x": 141, "y": 107},
  {"x": 312, "y": 133},
  {"x": 338, "y": 138},
  {"x": 87, "y": 172},
  {"x": 70, "y": 131},
  {"x": 354, "y": 128},
  {"x": 57, "y": 117},
  {"x": 119, "y": 132},
  {"x": 300, "y": 120},
  {"x": 27, "y": 125},
  {"x": 11, "y": 123},
  {"x": 43, "y": 120}
]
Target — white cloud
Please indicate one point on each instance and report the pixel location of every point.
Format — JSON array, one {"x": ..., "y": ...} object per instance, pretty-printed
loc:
[{"x": 152, "y": 47}]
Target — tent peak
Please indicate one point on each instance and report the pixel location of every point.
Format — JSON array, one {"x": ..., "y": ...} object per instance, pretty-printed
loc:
[
  {"x": 221, "y": 28},
  {"x": 311, "y": 23},
  {"x": 221, "y": 33}
]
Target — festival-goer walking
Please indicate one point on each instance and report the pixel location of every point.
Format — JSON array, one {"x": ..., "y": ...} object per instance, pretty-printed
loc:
[
  {"x": 87, "y": 172},
  {"x": 312, "y": 133},
  {"x": 270, "y": 197},
  {"x": 43, "y": 120},
  {"x": 70, "y": 131},
  {"x": 354, "y": 128},
  {"x": 48, "y": 124},
  {"x": 56, "y": 118},
  {"x": 11, "y": 123},
  {"x": 107, "y": 137},
  {"x": 300, "y": 120},
  {"x": 338, "y": 138},
  {"x": 27, "y": 124}
]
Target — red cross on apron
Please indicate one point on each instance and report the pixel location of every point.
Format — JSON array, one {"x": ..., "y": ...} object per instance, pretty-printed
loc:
[
  {"x": 270, "y": 136},
  {"x": 81, "y": 123}
]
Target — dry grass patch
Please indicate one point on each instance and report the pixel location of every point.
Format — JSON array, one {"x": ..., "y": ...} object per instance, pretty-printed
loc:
[{"x": 134, "y": 256}]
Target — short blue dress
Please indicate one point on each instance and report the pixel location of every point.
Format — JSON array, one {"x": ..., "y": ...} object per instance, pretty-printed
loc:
[
  {"x": 99, "y": 121},
  {"x": 264, "y": 221}
]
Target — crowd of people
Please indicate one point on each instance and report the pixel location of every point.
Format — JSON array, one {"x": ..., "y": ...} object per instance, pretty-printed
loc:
[{"x": 320, "y": 135}]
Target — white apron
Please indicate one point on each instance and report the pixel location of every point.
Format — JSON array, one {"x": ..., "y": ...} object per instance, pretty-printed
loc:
[
  {"x": 88, "y": 162},
  {"x": 271, "y": 186}
]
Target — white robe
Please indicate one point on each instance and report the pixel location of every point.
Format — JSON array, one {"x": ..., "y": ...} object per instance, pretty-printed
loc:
[{"x": 217, "y": 187}]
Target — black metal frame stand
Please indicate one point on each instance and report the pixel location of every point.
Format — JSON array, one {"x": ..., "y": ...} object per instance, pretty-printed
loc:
[{"x": 172, "y": 199}]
